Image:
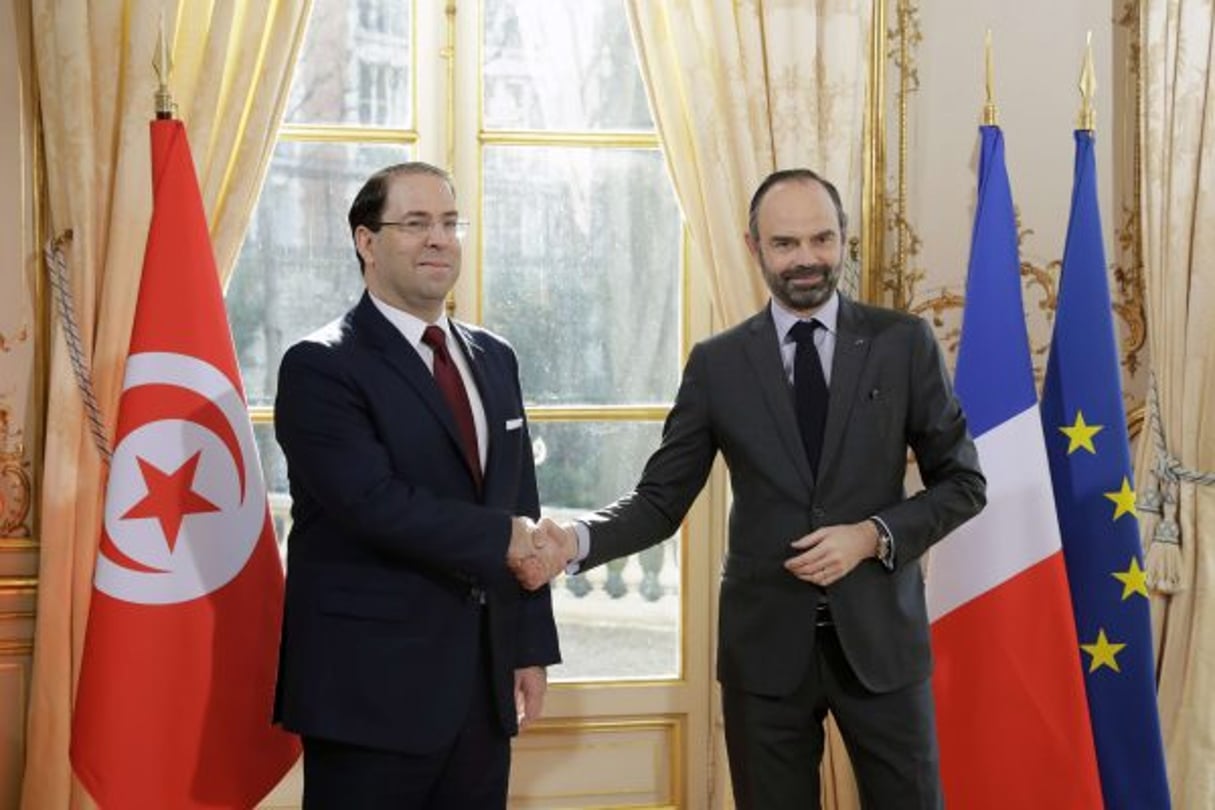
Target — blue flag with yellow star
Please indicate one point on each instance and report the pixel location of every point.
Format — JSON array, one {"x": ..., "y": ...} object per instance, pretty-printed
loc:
[{"x": 1086, "y": 437}]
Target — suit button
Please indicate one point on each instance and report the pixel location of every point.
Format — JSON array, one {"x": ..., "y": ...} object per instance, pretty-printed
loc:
[{"x": 818, "y": 513}]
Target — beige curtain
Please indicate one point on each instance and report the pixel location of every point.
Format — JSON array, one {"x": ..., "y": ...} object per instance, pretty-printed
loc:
[
  {"x": 1179, "y": 251},
  {"x": 96, "y": 83},
  {"x": 740, "y": 88}
]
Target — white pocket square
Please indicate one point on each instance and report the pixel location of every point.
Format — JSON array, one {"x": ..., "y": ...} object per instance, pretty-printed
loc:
[{"x": 514, "y": 424}]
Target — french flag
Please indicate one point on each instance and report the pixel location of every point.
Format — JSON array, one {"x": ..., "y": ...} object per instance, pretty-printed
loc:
[{"x": 1011, "y": 712}]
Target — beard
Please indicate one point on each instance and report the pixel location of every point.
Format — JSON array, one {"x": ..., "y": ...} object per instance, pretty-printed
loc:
[{"x": 789, "y": 286}]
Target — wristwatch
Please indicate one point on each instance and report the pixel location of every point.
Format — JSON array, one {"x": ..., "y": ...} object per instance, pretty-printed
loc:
[{"x": 885, "y": 546}]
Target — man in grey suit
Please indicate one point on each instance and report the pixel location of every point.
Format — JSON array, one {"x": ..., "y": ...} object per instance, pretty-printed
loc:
[{"x": 814, "y": 402}]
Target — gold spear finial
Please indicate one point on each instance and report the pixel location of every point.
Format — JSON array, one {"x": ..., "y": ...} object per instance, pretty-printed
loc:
[
  {"x": 162, "y": 63},
  {"x": 1088, "y": 89},
  {"x": 990, "y": 117}
]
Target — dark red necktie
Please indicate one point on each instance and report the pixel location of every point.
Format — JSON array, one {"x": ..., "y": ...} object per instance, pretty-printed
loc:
[{"x": 452, "y": 386}]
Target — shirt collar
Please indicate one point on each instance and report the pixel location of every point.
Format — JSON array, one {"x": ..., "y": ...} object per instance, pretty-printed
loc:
[
  {"x": 409, "y": 325},
  {"x": 828, "y": 315}
]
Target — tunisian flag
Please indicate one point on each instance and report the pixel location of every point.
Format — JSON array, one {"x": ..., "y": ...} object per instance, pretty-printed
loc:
[
  {"x": 1011, "y": 714},
  {"x": 173, "y": 707}
]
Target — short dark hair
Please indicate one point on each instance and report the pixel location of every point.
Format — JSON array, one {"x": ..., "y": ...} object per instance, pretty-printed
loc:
[
  {"x": 368, "y": 205},
  {"x": 794, "y": 175}
]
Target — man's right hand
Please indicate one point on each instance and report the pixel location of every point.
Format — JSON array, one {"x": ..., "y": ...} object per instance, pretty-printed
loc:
[{"x": 537, "y": 554}]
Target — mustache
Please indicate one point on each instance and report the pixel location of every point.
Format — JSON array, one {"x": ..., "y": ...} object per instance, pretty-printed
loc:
[{"x": 808, "y": 271}]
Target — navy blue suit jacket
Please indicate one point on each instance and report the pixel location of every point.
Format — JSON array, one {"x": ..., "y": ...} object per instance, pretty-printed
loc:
[{"x": 391, "y": 545}]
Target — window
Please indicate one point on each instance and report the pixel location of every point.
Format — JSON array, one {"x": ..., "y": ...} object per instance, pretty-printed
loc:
[{"x": 575, "y": 256}]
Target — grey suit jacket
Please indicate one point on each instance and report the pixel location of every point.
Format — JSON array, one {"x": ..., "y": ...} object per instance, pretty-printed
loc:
[{"x": 889, "y": 391}]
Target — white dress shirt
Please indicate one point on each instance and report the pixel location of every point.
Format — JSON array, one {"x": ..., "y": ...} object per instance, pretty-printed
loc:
[{"x": 411, "y": 328}]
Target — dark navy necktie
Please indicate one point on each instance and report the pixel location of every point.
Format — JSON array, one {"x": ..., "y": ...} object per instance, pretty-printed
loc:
[
  {"x": 809, "y": 390},
  {"x": 452, "y": 386}
]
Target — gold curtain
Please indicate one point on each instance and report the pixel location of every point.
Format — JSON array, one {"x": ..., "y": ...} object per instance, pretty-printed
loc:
[
  {"x": 96, "y": 83},
  {"x": 739, "y": 89},
  {"x": 1179, "y": 250}
]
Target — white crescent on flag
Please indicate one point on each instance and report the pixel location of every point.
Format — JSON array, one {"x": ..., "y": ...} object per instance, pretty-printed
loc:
[{"x": 176, "y": 551}]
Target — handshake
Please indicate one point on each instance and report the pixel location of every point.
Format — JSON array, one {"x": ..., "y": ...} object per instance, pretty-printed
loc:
[{"x": 539, "y": 551}]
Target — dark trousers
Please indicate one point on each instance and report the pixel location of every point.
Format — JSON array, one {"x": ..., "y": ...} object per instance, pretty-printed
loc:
[
  {"x": 470, "y": 773},
  {"x": 775, "y": 745}
]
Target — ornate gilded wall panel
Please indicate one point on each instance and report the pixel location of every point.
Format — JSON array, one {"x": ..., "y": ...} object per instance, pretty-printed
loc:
[
  {"x": 933, "y": 102},
  {"x": 20, "y": 388}
]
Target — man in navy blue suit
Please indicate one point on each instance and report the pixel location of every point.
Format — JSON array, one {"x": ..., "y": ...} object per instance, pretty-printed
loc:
[{"x": 410, "y": 655}]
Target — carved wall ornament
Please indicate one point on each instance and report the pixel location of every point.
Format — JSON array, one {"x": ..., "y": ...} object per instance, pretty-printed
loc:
[
  {"x": 896, "y": 283},
  {"x": 7, "y": 343},
  {"x": 900, "y": 275},
  {"x": 16, "y": 484}
]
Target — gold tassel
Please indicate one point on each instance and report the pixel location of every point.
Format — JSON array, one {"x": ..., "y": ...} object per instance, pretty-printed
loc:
[
  {"x": 1158, "y": 510},
  {"x": 1163, "y": 567},
  {"x": 1165, "y": 573}
]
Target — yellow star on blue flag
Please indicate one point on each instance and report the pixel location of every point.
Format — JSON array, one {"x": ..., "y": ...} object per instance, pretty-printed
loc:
[
  {"x": 1133, "y": 579},
  {"x": 1080, "y": 435},
  {"x": 1104, "y": 652},
  {"x": 1124, "y": 498}
]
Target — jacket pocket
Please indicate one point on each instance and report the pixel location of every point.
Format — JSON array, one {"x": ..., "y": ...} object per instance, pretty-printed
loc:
[{"x": 376, "y": 605}]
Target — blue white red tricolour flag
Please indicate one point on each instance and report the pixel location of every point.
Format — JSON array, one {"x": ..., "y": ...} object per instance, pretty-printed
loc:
[{"x": 1011, "y": 714}]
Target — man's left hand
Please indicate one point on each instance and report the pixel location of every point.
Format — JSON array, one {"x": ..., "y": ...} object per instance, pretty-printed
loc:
[
  {"x": 829, "y": 554},
  {"x": 530, "y": 685}
]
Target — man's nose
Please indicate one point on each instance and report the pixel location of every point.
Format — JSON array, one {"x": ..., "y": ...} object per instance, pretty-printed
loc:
[
  {"x": 440, "y": 234},
  {"x": 807, "y": 254}
]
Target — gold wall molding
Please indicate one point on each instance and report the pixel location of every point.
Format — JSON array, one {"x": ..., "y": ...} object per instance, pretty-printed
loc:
[
  {"x": 868, "y": 252},
  {"x": 1128, "y": 276},
  {"x": 896, "y": 281},
  {"x": 16, "y": 648},
  {"x": 18, "y": 586},
  {"x": 1131, "y": 305},
  {"x": 657, "y": 737}
]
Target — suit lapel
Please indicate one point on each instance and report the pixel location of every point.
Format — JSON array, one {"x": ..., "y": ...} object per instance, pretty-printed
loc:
[
  {"x": 498, "y": 399},
  {"x": 762, "y": 348},
  {"x": 404, "y": 359},
  {"x": 852, "y": 341}
]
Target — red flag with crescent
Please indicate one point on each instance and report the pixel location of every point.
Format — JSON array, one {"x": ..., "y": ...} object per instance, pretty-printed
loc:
[{"x": 173, "y": 707}]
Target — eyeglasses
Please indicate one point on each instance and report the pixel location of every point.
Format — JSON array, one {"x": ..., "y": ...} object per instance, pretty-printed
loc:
[{"x": 418, "y": 227}]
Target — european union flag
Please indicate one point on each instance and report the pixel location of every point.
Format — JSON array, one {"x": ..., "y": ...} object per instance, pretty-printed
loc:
[{"x": 1085, "y": 424}]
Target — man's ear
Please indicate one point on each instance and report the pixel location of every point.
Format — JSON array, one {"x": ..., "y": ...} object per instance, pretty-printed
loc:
[
  {"x": 362, "y": 242},
  {"x": 752, "y": 245}
]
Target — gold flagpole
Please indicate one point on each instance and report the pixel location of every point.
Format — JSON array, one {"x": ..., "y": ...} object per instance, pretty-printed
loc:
[
  {"x": 1088, "y": 89},
  {"x": 990, "y": 116},
  {"x": 162, "y": 63}
]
